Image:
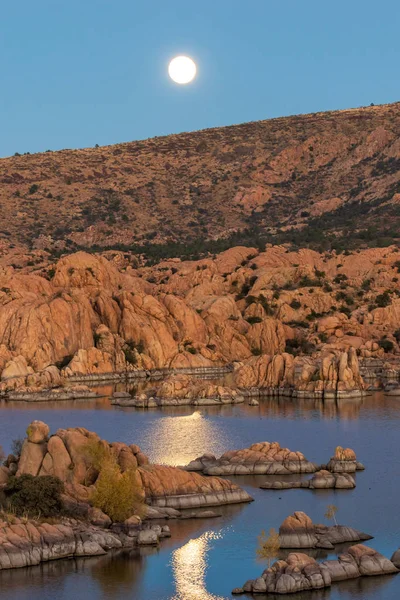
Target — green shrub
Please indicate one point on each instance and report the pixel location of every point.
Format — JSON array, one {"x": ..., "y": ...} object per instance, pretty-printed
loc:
[
  {"x": 256, "y": 351},
  {"x": 387, "y": 345},
  {"x": 383, "y": 300},
  {"x": 130, "y": 356},
  {"x": 303, "y": 324},
  {"x": 295, "y": 304},
  {"x": 345, "y": 309},
  {"x": 33, "y": 189},
  {"x": 34, "y": 495},
  {"x": 117, "y": 494}
]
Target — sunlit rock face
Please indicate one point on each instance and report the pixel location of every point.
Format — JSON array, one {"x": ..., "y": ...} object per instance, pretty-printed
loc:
[{"x": 87, "y": 316}]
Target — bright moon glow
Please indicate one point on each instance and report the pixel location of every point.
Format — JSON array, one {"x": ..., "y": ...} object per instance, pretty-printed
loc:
[{"x": 182, "y": 69}]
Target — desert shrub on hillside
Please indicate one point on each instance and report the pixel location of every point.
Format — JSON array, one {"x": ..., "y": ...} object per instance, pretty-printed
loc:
[
  {"x": 386, "y": 344},
  {"x": 34, "y": 495},
  {"x": 295, "y": 304},
  {"x": 383, "y": 300}
]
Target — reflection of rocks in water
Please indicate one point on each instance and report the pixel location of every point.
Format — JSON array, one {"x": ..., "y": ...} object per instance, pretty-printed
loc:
[
  {"x": 362, "y": 588},
  {"x": 119, "y": 573},
  {"x": 323, "y": 594},
  {"x": 189, "y": 565},
  {"x": 328, "y": 408}
]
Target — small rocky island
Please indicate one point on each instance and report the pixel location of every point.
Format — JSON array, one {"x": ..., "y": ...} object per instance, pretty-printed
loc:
[
  {"x": 181, "y": 390},
  {"x": 268, "y": 458},
  {"x": 300, "y": 572},
  {"x": 298, "y": 531}
]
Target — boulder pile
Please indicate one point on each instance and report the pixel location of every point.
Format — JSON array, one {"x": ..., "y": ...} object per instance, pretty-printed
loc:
[
  {"x": 300, "y": 572},
  {"x": 181, "y": 390},
  {"x": 298, "y": 531}
]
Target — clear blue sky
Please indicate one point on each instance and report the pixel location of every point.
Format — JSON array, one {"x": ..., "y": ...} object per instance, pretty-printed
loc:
[{"x": 79, "y": 72}]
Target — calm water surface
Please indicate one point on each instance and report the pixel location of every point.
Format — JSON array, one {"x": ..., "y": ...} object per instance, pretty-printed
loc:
[{"x": 204, "y": 560}]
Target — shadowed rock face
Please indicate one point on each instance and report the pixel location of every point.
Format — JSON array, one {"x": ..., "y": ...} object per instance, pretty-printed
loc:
[
  {"x": 298, "y": 531},
  {"x": 63, "y": 455},
  {"x": 300, "y": 572}
]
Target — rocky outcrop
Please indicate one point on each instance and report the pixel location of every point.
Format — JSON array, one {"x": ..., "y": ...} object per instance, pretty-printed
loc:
[
  {"x": 181, "y": 390},
  {"x": 24, "y": 543},
  {"x": 396, "y": 558},
  {"x": 338, "y": 376},
  {"x": 64, "y": 456},
  {"x": 300, "y": 572},
  {"x": 259, "y": 459},
  {"x": 359, "y": 561},
  {"x": 298, "y": 531},
  {"x": 321, "y": 480},
  {"x": 344, "y": 461},
  {"x": 266, "y": 372},
  {"x": 297, "y": 573}
]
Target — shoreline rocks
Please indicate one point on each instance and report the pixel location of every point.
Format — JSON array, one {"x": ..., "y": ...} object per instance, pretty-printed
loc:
[
  {"x": 76, "y": 392},
  {"x": 25, "y": 543}
]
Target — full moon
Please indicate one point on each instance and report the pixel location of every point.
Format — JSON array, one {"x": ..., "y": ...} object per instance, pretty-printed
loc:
[{"x": 182, "y": 69}]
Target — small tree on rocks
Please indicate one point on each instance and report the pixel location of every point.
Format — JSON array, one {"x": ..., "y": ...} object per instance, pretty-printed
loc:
[
  {"x": 117, "y": 494},
  {"x": 268, "y": 546},
  {"x": 330, "y": 514}
]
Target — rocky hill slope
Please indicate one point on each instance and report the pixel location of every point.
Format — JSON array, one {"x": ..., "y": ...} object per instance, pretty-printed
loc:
[
  {"x": 91, "y": 315},
  {"x": 325, "y": 179}
]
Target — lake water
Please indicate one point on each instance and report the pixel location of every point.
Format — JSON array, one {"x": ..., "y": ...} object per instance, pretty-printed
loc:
[{"x": 206, "y": 559}]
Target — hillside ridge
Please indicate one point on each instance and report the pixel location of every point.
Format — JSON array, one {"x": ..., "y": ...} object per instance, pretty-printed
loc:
[{"x": 321, "y": 180}]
